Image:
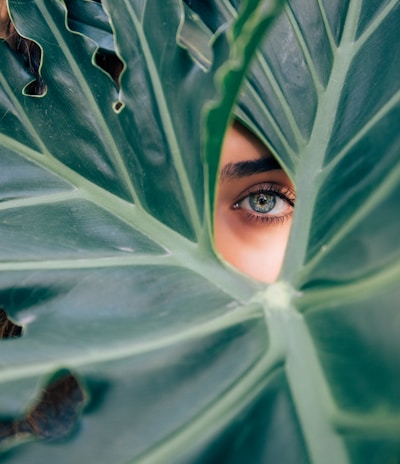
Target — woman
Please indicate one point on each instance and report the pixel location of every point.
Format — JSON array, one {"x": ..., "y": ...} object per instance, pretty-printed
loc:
[{"x": 254, "y": 208}]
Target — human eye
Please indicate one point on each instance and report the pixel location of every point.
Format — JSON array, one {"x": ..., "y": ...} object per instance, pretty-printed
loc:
[{"x": 266, "y": 203}]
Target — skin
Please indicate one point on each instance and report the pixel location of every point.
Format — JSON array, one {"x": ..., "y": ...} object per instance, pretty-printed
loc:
[
  {"x": 254, "y": 207},
  {"x": 3, "y": 19}
]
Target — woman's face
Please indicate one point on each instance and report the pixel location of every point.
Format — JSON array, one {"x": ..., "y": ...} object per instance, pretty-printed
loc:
[{"x": 255, "y": 202}]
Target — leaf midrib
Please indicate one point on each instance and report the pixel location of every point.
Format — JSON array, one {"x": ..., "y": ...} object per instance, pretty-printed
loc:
[{"x": 308, "y": 184}]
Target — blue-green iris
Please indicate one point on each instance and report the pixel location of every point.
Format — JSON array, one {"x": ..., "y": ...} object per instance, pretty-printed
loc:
[{"x": 262, "y": 202}]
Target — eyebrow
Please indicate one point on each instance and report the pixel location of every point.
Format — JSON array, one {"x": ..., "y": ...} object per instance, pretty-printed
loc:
[{"x": 247, "y": 168}]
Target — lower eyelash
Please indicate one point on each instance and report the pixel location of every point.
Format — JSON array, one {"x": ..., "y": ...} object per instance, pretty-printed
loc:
[{"x": 270, "y": 220}]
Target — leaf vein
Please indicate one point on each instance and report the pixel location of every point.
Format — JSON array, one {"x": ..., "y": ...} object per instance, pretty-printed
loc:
[
  {"x": 120, "y": 164},
  {"x": 376, "y": 118},
  {"x": 376, "y": 196},
  {"x": 328, "y": 29},
  {"x": 304, "y": 48},
  {"x": 376, "y": 23}
]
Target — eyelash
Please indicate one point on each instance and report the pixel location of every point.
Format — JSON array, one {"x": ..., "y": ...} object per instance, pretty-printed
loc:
[{"x": 282, "y": 192}]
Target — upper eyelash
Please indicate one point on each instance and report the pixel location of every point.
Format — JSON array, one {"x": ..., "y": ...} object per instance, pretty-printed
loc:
[{"x": 283, "y": 192}]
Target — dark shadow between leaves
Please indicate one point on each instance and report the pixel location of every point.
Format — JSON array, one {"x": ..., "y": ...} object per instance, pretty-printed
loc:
[
  {"x": 111, "y": 64},
  {"x": 16, "y": 300},
  {"x": 90, "y": 20}
]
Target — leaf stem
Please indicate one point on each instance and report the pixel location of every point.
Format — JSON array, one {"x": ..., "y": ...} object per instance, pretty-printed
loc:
[{"x": 310, "y": 392}]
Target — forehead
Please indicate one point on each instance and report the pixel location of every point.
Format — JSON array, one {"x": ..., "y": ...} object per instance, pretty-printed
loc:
[{"x": 241, "y": 145}]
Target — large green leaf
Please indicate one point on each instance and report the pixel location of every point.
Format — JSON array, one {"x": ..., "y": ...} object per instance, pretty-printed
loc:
[{"x": 106, "y": 259}]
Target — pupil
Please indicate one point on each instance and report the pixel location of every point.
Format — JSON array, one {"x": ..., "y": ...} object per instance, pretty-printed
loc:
[{"x": 262, "y": 203}]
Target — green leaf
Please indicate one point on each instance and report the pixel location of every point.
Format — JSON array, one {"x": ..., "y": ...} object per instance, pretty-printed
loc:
[
  {"x": 106, "y": 257},
  {"x": 89, "y": 18}
]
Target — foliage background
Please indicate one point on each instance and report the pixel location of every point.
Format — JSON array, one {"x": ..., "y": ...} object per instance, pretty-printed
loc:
[{"x": 106, "y": 258}]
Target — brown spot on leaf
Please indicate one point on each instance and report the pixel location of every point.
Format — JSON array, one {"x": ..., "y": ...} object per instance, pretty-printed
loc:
[{"x": 54, "y": 416}]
